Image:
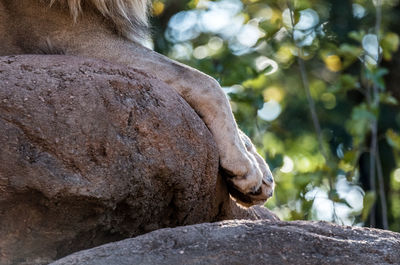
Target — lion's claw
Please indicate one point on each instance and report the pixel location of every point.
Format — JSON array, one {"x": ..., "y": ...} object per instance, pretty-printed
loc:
[{"x": 253, "y": 186}]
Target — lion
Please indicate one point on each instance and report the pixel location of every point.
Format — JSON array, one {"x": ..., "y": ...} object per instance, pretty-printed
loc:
[{"x": 113, "y": 30}]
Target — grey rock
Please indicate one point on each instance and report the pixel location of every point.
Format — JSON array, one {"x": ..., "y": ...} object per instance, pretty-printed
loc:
[{"x": 249, "y": 242}]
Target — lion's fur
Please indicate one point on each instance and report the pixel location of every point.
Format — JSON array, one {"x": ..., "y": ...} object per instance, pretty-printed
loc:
[{"x": 130, "y": 17}]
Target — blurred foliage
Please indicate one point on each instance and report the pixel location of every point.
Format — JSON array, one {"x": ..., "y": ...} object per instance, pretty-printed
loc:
[{"x": 343, "y": 165}]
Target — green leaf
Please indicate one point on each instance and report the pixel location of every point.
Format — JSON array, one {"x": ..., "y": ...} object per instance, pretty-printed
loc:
[
  {"x": 393, "y": 139},
  {"x": 388, "y": 99},
  {"x": 362, "y": 113},
  {"x": 361, "y": 118},
  {"x": 349, "y": 49},
  {"x": 344, "y": 202},
  {"x": 346, "y": 82},
  {"x": 357, "y": 35},
  {"x": 256, "y": 83},
  {"x": 376, "y": 76},
  {"x": 347, "y": 163},
  {"x": 390, "y": 44},
  {"x": 368, "y": 201}
]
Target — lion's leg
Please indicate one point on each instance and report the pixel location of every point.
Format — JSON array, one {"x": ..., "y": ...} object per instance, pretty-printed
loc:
[{"x": 238, "y": 156}]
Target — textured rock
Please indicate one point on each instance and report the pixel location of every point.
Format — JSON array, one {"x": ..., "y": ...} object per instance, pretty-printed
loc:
[
  {"x": 92, "y": 153},
  {"x": 249, "y": 242}
]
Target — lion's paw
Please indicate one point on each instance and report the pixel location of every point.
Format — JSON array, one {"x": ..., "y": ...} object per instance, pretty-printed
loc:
[{"x": 250, "y": 180}]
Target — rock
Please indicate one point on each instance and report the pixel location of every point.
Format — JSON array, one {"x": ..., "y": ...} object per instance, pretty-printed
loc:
[
  {"x": 249, "y": 242},
  {"x": 92, "y": 153}
]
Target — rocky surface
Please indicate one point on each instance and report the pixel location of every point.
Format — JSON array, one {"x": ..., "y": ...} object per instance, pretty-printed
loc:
[
  {"x": 93, "y": 153},
  {"x": 249, "y": 242}
]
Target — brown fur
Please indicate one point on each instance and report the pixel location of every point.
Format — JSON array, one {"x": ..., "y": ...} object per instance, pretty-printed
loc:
[
  {"x": 105, "y": 29},
  {"x": 128, "y": 16}
]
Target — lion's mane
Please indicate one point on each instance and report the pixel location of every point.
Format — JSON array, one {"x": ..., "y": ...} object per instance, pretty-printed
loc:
[{"x": 130, "y": 17}]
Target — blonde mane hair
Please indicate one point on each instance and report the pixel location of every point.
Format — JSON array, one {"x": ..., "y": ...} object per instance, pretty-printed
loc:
[{"x": 130, "y": 17}]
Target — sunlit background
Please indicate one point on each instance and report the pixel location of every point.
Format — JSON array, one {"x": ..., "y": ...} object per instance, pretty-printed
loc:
[{"x": 314, "y": 83}]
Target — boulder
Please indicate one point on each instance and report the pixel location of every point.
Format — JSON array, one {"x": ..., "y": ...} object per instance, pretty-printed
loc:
[
  {"x": 93, "y": 152},
  {"x": 249, "y": 242}
]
